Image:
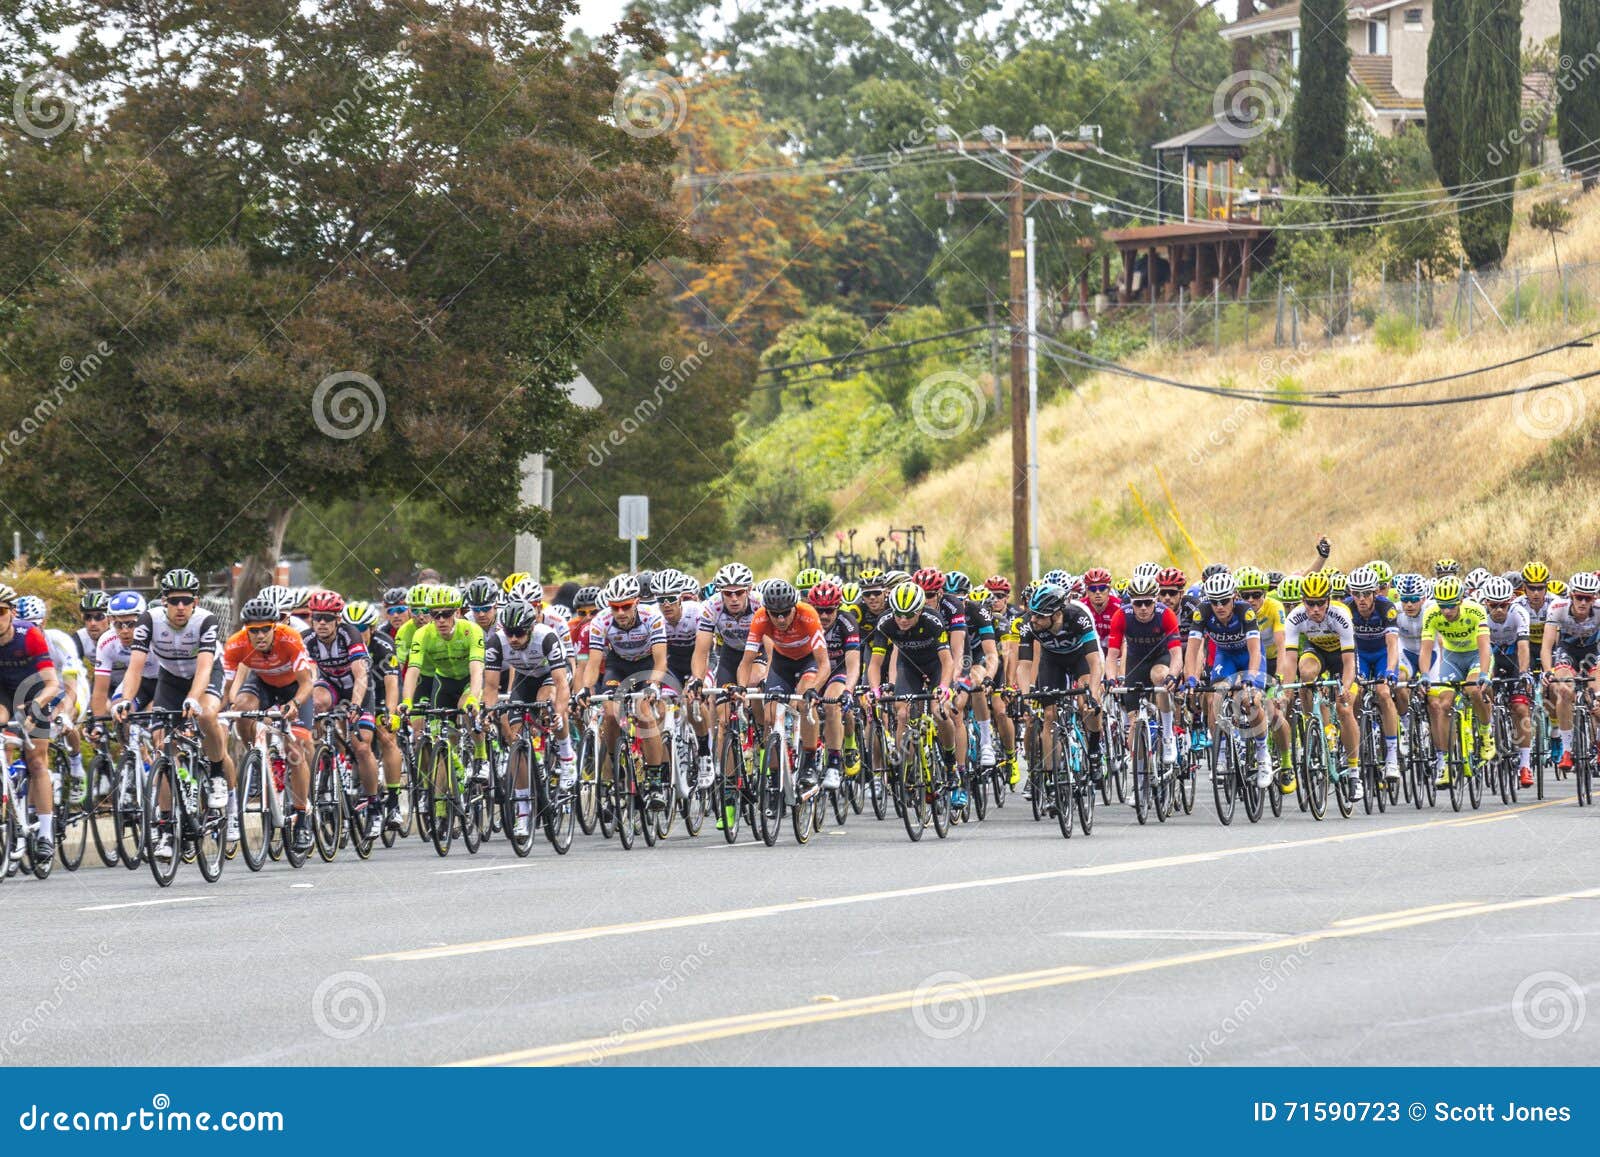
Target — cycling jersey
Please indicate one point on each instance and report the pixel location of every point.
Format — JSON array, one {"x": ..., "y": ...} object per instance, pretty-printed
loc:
[
  {"x": 536, "y": 656},
  {"x": 111, "y": 657},
  {"x": 1102, "y": 618},
  {"x": 87, "y": 645},
  {"x": 279, "y": 666},
  {"x": 402, "y": 641},
  {"x": 631, "y": 643},
  {"x": 1461, "y": 635},
  {"x": 175, "y": 649},
  {"x": 1410, "y": 628},
  {"x": 728, "y": 629},
  {"x": 1143, "y": 644},
  {"x": 918, "y": 644},
  {"x": 1505, "y": 636},
  {"x": 1075, "y": 636},
  {"x": 336, "y": 658},
  {"x": 381, "y": 653},
  {"x": 1269, "y": 621},
  {"x": 681, "y": 637},
  {"x": 1536, "y": 617},
  {"x": 954, "y": 613},
  {"x": 433, "y": 654},
  {"x": 980, "y": 626},
  {"x": 796, "y": 641},
  {"x": 1373, "y": 629},
  {"x": 841, "y": 636},
  {"x": 1232, "y": 635},
  {"x": 1334, "y": 634},
  {"x": 1572, "y": 633},
  {"x": 24, "y": 655}
]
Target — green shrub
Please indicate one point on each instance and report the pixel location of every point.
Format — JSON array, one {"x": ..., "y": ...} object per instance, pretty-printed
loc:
[
  {"x": 915, "y": 462},
  {"x": 1397, "y": 333}
]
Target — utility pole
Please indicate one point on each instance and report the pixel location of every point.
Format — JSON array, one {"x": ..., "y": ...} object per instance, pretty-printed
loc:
[{"x": 1017, "y": 197}]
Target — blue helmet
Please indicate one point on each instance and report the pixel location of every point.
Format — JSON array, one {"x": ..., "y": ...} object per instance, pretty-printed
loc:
[
  {"x": 1047, "y": 599},
  {"x": 1409, "y": 586},
  {"x": 125, "y": 603}
]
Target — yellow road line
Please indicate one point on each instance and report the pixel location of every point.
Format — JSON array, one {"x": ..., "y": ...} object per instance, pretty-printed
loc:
[
  {"x": 595, "y": 1049},
  {"x": 728, "y": 916},
  {"x": 1403, "y": 912}
]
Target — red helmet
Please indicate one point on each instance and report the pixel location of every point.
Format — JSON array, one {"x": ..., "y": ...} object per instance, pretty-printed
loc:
[
  {"x": 1097, "y": 576},
  {"x": 325, "y": 603},
  {"x": 930, "y": 579},
  {"x": 1171, "y": 578},
  {"x": 998, "y": 584},
  {"x": 826, "y": 596}
]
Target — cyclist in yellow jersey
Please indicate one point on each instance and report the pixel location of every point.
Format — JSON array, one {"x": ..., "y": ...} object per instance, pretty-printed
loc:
[{"x": 1458, "y": 630}]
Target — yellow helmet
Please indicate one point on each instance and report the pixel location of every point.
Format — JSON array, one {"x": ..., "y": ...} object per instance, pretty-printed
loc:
[
  {"x": 1556, "y": 588},
  {"x": 907, "y": 599},
  {"x": 808, "y": 578},
  {"x": 1535, "y": 573},
  {"x": 512, "y": 580},
  {"x": 1447, "y": 590},
  {"x": 980, "y": 595},
  {"x": 1315, "y": 586}
]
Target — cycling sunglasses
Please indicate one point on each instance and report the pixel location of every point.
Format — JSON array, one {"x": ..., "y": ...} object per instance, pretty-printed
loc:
[
  {"x": 445, "y": 613},
  {"x": 483, "y": 610},
  {"x": 1314, "y": 602},
  {"x": 262, "y": 629},
  {"x": 396, "y": 610},
  {"x": 1098, "y": 587},
  {"x": 94, "y": 616},
  {"x": 179, "y": 600},
  {"x": 1139, "y": 604},
  {"x": 324, "y": 617}
]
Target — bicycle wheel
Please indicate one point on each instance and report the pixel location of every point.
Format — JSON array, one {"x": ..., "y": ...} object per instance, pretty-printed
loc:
[
  {"x": 1368, "y": 762},
  {"x": 1059, "y": 782},
  {"x": 696, "y": 806},
  {"x": 881, "y": 786},
  {"x": 163, "y": 781},
  {"x": 1144, "y": 787},
  {"x": 73, "y": 820},
  {"x": 936, "y": 785},
  {"x": 1455, "y": 761},
  {"x": 404, "y": 795},
  {"x": 8, "y": 824},
  {"x": 1186, "y": 785},
  {"x": 1039, "y": 788},
  {"x": 1084, "y": 792},
  {"x": 558, "y": 808},
  {"x": 1583, "y": 753},
  {"x": 471, "y": 795},
  {"x": 1255, "y": 798},
  {"x": 649, "y": 806},
  {"x": 840, "y": 798},
  {"x": 1541, "y": 742},
  {"x": 912, "y": 789},
  {"x": 624, "y": 815},
  {"x": 769, "y": 791},
  {"x": 327, "y": 803},
  {"x": 209, "y": 829},
  {"x": 519, "y": 760},
  {"x": 1313, "y": 775},
  {"x": 726, "y": 794},
  {"x": 103, "y": 810},
  {"x": 589, "y": 764},
  {"x": 1223, "y": 781},
  {"x": 253, "y": 818},
  {"x": 433, "y": 795}
]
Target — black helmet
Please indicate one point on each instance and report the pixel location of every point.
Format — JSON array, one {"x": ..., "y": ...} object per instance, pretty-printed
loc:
[
  {"x": 586, "y": 597},
  {"x": 260, "y": 609},
  {"x": 1211, "y": 569},
  {"x": 180, "y": 581},
  {"x": 395, "y": 597},
  {"x": 96, "y": 601},
  {"x": 780, "y": 596}
]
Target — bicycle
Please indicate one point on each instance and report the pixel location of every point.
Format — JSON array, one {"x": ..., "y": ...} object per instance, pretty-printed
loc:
[
  {"x": 1067, "y": 778},
  {"x": 188, "y": 819},
  {"x": 19, "y": 822},
  {"x": 1229, "y": 762},
  {"x": 1154, "y": 780},
  {"x": 455, "y": 796},
  {"x": 1506, "y": 767},
  {"x": 1583, "y": 737},
  {"x": 553, "y": 807},
  {"x": 1418, "y": 732},
  {"x": 589, "y": 771},
  {"x": 623, "y": 798},
  {"x": 918, "y": 777},
  {"x": 266, "y": 824},
  {"x": 777, "y": 771},
  {"x": 1377, "y": 790},
  {"x": 338, "y": 808},
  {"x": 74, "y": 803}
]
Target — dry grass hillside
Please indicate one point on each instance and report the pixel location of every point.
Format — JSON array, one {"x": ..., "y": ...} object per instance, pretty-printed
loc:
[{"x": 1489, "y": 481}]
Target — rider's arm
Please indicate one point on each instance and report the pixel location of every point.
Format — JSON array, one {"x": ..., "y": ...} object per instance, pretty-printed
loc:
[
  {"x": 134, "y": 675},
  {"x": 475, "y": 678},
  {"x": 203, "y": 663},
  {"x": 303, "y": 683},
  {"x": 658, "y": 663}
]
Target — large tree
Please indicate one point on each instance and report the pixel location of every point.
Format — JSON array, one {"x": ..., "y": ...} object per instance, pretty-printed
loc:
[
  {"x": 289, "y": 255},
  {"x": 1444, "y": 91},
  {"x": 1490, "y": 154},
  {"x": 1579, "y": 110},
  {"x": 1322, "y": 105}
]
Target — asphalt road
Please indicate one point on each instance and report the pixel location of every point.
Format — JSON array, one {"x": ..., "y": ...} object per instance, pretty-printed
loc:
[{"x": 1411, "y": 938}]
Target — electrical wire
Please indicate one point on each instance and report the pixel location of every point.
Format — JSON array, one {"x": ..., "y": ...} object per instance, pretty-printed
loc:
[
  {"x": 875, "y": 350},
  {"x": 836, "y": 377}
]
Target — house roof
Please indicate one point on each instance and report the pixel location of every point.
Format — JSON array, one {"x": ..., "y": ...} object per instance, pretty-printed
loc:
[
  {"x": 1376, "y": 75},
  {"x": 1221, "y": 133},
  {"x": 1287, "y": 16}
]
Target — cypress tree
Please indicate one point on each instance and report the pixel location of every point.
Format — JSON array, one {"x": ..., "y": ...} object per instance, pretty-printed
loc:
[
  {"x": 1442, "y": 92},
  {"x": 1489, "y": 114},
  {"x": 1322, "y": 106},
  {"x": 1578, "y": 114}
]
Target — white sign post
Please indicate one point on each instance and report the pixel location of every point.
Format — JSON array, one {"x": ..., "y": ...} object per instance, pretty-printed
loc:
[
  {"x": 538, "y": 484},
  {"x": 633, "y": 523}
]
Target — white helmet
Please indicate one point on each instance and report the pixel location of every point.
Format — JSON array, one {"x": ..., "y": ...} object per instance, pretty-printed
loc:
[
  {"x": 1362, "y": 581},
  {"x": 621, "y": 589},
  {"x": 1143, "y": 570},
  {"x": 1498, "y": 590},
  {"x": 1143, "y": 586},
  {"x": 1476, "y": 577},
  {"x": 1585, "y": 582},
  {"x": 1219, "y": 585},
  {"x": 734, "y": 574}
]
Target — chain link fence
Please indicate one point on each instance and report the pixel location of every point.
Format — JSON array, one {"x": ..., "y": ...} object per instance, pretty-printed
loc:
[{"x": 1395, "y": 310}]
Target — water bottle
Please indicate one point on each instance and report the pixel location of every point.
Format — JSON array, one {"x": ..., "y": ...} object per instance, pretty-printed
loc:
[{"x": 191, "y": 793}]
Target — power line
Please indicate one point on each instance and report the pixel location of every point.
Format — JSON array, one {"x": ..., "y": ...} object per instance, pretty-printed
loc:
[
  {"x": 834, "y": 377},
  {"x": 874, "y": 350}
]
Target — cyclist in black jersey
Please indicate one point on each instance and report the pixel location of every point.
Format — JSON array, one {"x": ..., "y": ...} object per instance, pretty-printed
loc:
[
  {"x": 918, "y": 642},
  {"x": 1058, "y": 650}
]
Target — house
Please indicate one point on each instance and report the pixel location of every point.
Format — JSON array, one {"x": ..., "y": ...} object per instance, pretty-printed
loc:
[{"x": 1388, "y": 48}]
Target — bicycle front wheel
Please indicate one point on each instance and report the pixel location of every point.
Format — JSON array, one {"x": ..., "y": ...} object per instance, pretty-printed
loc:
[{"x": 327, "y": 804}]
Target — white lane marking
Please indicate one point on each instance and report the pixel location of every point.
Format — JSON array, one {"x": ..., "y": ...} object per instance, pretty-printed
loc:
[
  {"x": 485, "y": 868},
  {"x": 572, "y": 935},
  {"x": 143, "y": 903},
  {"x": 1170, "y": 934}
]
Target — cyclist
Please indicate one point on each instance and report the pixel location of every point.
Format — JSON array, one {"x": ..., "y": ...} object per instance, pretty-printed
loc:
[
  {"x": 1057, "y": 650},
  {"x": 1319, "y": 641},
  {"x": 786, "y": 642},
  {"x": 1375, "y": 622},
  {"x": 112, "y": 654},
  {"x": 344, "y": 675},
  {"x": 1254, "y": 588},
  {"x": 267, "y": 668},
  {"x": 93, "y": 608},
  {"x": 980, "y": 662},
  {"x": 725, "y": 620},
  {"x": 382, "y": 702},
  {"x": 911, "y": 645},
  {"x": 1460, "y": 630},
  {"x": 29, "y": 688},
  {"x": 1568, "y": 651},
  {"x": 1007, "y": 631},
  {"x": 74, "y": 686},
  {"x": 1227, "y": 629},
  {"x": 1510, "y": 645},
  {"x": 843, "y": 637},
  {"x": 534, "y": 655},
  {"x": 1144, "y": 645},
  {"x": 628, "y": 651}
]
